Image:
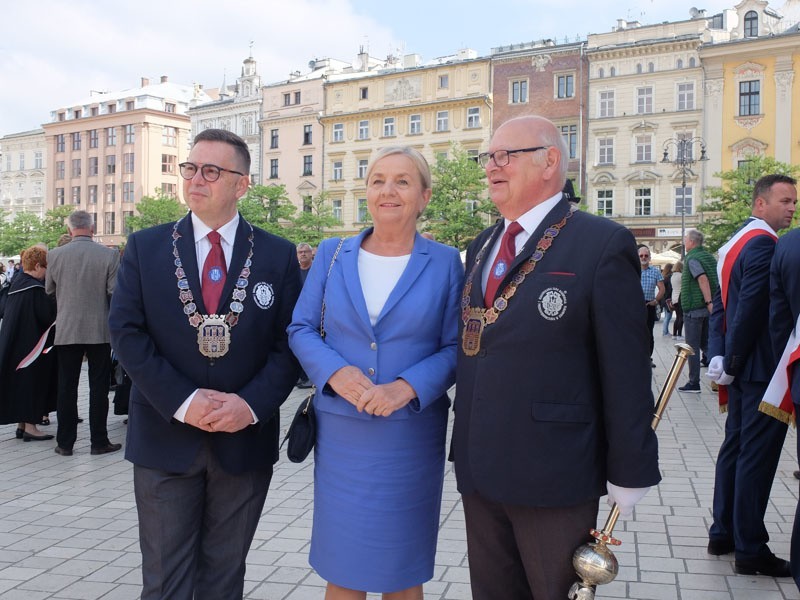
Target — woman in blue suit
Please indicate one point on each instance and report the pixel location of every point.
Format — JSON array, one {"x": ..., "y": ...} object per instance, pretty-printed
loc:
[{"x": 382, "y": 372}]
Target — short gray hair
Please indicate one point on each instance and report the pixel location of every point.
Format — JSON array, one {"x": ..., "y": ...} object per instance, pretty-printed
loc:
[
  {"x": 80, "y": 219},
  {"x": 695, "y": 236},
  {"x": 302, "y": 245}
]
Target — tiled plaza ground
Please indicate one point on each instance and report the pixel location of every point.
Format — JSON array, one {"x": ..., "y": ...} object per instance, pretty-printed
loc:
[{"x": 68, "y": 524}]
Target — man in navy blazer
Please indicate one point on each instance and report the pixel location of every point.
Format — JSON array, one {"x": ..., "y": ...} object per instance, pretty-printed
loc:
[
  {"x": 742, "y": 364},
  {"x": 203, "y": 425},
  {"x": 553, "y": 398}
]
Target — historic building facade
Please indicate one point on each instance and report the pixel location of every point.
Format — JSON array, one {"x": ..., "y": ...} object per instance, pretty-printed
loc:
[{"x": 22, "y": 174}]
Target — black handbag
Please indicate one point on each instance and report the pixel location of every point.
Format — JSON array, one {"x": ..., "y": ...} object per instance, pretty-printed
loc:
[{"x": 302, "y": 434}]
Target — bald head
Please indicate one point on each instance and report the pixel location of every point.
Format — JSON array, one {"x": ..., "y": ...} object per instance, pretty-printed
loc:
[{"x": 531, "y": 177}]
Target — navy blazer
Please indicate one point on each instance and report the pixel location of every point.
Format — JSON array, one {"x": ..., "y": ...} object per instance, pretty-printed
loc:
[
  {"x": 740, "y": 331},
  {"x": 558, "y": 399},
  {"x": 784, "y": 299},
  {"x": 414, "y": 338},
  {"x": 158, "y": 348}
]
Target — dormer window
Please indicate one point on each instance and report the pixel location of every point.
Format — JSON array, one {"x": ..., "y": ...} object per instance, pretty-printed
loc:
[{"x": 751, "y": 24}]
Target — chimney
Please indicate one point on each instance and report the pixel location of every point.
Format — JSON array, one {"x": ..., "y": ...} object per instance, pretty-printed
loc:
[
  {"x": 163, "y": 79},
  {"x": 145, "y": 82}
]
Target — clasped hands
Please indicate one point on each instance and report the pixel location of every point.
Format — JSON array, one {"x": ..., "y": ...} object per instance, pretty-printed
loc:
[
  {"x": 378, "y": 400},
  {"x": 214, "y": 411}
]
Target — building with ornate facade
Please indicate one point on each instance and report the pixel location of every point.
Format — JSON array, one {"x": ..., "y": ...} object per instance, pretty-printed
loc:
[
  {"x": 22, "y": 174},
  {"x": 106, "y": 151}
]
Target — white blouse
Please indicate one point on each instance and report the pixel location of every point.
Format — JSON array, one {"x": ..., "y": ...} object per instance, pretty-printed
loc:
[{"x": 379, "y": 275}]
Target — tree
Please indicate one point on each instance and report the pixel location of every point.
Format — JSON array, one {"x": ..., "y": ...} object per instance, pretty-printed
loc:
[
  {"x": 20, "y": 233},
  {"x": 732, "y": 202},
  {"x": 155, "y": 210},
  {"x": 458, "y": 207},
  {"x": 54, "y": 224},
  {"x": 310, "y": 225},
  {"x": 268, "y": 207}
]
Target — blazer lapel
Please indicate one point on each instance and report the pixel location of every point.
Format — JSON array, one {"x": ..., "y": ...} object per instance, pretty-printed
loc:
[
  {"x": 349, "y": 257},
  {"x": 188, "y": 254},
  {"x": 476, "y": 293},
  {"x": 241, "y": 248},
  {"x": 416, "y": 264},
  {"x": 558, "y": 212}
]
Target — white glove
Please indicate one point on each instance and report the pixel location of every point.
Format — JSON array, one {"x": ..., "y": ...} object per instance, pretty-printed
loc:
[
  {"x": 624, "y": 498},
  {"x": 716, "y": 372}
]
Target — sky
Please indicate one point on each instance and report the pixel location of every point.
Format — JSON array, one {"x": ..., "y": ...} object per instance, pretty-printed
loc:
[{"x": 52, "y": 53}]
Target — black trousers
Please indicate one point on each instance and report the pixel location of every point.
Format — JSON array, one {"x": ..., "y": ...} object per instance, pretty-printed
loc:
[
  {"x": 651, "y": 321},
  {"x": 70, "y": 357}
]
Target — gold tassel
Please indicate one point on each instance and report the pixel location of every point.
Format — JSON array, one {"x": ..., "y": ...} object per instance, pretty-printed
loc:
[{"x": 776, "y": 413}]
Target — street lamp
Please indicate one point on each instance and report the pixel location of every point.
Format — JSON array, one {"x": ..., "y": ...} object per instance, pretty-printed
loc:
[{"x": 684, "y": 159}]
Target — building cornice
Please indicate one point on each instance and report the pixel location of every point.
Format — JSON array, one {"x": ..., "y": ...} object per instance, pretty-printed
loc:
[{"x": 409, "y": 108}]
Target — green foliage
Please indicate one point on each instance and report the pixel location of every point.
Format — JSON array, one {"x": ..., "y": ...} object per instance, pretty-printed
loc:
[
  {"x": 268, "y": 207},
  {"x": 155, "y": 210},
  {"x": 730, "y": 204},
  {"x": 20, "y": 233},
  {"x": 458, "y": 208},
  {"x": 310, "y": 226}
]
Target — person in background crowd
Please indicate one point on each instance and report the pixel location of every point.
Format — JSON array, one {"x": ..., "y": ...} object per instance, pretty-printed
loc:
[
  {"x": 675, "y": 279},
  {"x": 666, "y": 301},
  {"x": 305, "y": 256},
  {"x": 742, "y": 364},
  {"x": 653, "y": 290}
]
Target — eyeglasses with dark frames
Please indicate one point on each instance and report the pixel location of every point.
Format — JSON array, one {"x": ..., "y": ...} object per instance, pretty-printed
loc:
[
  {"x": 503, "y": 157},
  {"x": 209, "y": 172}
]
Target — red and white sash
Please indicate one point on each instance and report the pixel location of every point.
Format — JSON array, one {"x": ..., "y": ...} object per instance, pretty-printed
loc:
[
  {"x": 728, "y": 254},
  {"x": 777, "y": 401},
  {"x": 38, "y": 350}
]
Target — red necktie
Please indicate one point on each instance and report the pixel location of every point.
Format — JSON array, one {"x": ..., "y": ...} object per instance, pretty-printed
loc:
[
  {"x": 502, "y": 263},
  {"x": 214, "y": 273}
]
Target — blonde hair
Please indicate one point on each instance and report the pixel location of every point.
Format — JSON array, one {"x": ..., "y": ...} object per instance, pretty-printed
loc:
[{"x": 419, "y": 161}]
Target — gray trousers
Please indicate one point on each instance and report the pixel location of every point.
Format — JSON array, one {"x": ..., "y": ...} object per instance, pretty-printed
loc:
[{"x": 695, "y": 327}]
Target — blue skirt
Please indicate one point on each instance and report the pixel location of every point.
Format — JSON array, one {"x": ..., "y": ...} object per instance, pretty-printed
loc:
[{"x": 377, "y": 499}]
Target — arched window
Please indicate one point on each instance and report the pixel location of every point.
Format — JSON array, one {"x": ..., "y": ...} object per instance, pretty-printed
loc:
[
  {"x": 692, "y": 62},
  {"x": 613, "y": 72},
  {"x": 638, "y": 68},
  {"x": 601, "y": 73},
  {"x": 679, "y": 63},
  {"x": 751, "y": 24},
  {"x": 651, "y": 67}
]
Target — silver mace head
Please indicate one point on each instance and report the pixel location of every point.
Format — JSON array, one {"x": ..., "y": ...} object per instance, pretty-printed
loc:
[{"x": 595, "y": 564}]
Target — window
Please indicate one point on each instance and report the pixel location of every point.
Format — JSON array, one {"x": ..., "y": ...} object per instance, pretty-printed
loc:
[
  {"x": 93, "y": 168},
  {"x": 566, "y": 86},
  {"x": 60, "y": 143},
  {"x": 129, "y": 105},
  {"x": 307, "y": 165},
  {"x": 361, "y": 172},
  {"x": 127, "y": 162},
  {"x": 749, "y": 98},
  {"x": 297, "y": 97},
  {"x": 612, "y": 72},
  {"x": 62, "y": 116},
  {"x": 363, "y": 130},
  {"x": 127, "y": 191},
  {"x": 169, "y": 189},
  {"x": 111, "y": 164},
  {"x": 338, "y": 132},
  {"x": 169, "y": 136},
  {"x": 605, "y": 203},
  {"x": 94, "y": 111},
  {"x": 307, "y": 205},
  {"x": 751, "y": 24},
  {"x": 686, "y": 96},
  {"x": 76, "y": 141},
  {"x": 644, "y": 148},
  {"x": 638, "y": 68},
  {"x": 273, "y": 138},
  {"x": 38, "y": 160},
  {"x": 651, "y": 67},
  {"x": 111, "y": 136},
  {"x": 473, "y": 117},
  {"x": 605, "y": 151},
  {"x": 363, "y": 93},
  {"x": 8, "y": 161},
  {"x": 519, "y": 91},
  {"x": 570, "y": 135},
  {"x": 247, "y": 124},
  {"x": 126, "y": 228},
  {"x": 362, "y": 210},
  {"x": 414, "y": 124},
  {"x": 273, "y": 168},
  {"x": 442, "y": 120},
  {"x": 60, "y": 169},
  {"x": 21, "y": 161},
  {"x": 92, "y": 194},
  {"x": 287, "y": 99},
  {"x": 607, "y": 104},
  {"x": 337, "y": 170},
  {"x": 644, "y": 100},
  {"x": 444, "y": 82},
  {"x": 679, "y": 63},
  {"x": 683, "y": 202},
  {"x": 337, "y": 209},
  {"x": 601, "y": 72},
  {"x": 60, "y": 196},
  {"x": 388, "y": 127},
  {"x": 76, "y": 194},
  {"x": 93, "y": 138},
  {"x": 684, "y": 148},
  {"x": 169, "y": 164},
  {"x": 130, "y": 135},
  {"x": 306, "y": 135},
  {"x": 76, "y": 167},
  {"x": 109, "y": 224},
  {"x": 692, "y": 62},
  {"x": 169, "y": 107},
  {"x": 642, "y": 202},
  {"x": 111, "y": 192}
]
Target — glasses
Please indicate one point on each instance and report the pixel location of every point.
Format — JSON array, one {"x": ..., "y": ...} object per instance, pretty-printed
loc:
[
  {"x": 209, "y": 172},
  {"x": 502, "y": 157}
]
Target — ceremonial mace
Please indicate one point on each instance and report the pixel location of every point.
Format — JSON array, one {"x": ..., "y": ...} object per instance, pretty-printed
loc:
[{"x": 594, "y": 562}]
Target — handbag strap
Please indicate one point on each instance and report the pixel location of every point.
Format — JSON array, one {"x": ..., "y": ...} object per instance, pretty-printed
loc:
[{"x": 322, "y": 310}]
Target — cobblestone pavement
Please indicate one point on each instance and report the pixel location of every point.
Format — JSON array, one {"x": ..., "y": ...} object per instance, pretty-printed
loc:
[{"x": 68, "y": 524}]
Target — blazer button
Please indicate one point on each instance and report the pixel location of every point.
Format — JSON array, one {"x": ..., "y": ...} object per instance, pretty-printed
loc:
[
  {"x": 371, "y": 371},
  {"x": 373, "y": 346}
]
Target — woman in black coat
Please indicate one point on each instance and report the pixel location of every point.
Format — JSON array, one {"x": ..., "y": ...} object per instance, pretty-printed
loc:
[{"x": 27, "y": 374}]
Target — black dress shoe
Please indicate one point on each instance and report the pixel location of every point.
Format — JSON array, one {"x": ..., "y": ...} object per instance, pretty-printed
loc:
[
  {"x": 19, "y": 433},
  {"x": 63, "y": 451},
  {"x": 106, "y": 449},
  {"x": 720, "y": 547},
  {"x": 29, "y": 437},
  {"x": 769, "y": 565}
]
